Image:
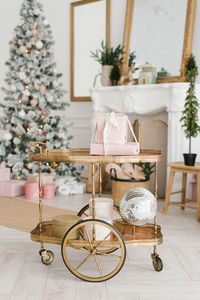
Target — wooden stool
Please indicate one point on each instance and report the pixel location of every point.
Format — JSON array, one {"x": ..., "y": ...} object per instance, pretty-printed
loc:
[{"x": 181, "y": 167}]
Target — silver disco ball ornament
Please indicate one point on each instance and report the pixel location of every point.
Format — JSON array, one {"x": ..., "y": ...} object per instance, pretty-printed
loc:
[{"x": 138, "y": 206}]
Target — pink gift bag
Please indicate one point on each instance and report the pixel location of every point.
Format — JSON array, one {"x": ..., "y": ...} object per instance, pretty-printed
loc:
[
  {"x": 113, "y": 148},
  {"x": 113, "y": 127}
]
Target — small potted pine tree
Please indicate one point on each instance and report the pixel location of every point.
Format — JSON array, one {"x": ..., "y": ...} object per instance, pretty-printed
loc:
[
  {"x": 108, "y": 57},
  {"x": 189, "y": 116}
]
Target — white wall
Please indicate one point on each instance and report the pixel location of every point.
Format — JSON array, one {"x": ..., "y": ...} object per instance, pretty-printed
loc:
[{"x": 58, "y": 14}]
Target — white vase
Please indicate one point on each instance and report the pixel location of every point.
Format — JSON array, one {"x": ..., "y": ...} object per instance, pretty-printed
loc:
[{"x": 105, "y": 77}]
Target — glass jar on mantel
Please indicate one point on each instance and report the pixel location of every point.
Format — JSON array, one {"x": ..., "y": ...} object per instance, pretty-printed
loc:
[{"x": 148, "y": 74}]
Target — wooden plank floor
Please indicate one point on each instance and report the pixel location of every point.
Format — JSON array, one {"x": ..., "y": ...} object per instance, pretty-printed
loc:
[{"x": 24, "y": 277}]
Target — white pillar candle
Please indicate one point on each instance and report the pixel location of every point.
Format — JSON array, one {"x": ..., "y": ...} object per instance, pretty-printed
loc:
[
  {"x": 103, "y": 207},
  {"x": 101, "y": 231}
]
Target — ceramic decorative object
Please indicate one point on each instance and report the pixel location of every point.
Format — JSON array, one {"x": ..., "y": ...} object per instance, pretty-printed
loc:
[
  {"x": 62, "y": 223},
  {"x": 138, "y": 206},
  {"x": 148, "y": 74},
  {"x": 163, "y": 73},
  {"x": 105, "y": 76}
]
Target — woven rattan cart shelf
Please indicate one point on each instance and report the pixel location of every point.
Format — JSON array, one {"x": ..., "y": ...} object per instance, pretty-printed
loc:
[{"x": 119, "y": 235}]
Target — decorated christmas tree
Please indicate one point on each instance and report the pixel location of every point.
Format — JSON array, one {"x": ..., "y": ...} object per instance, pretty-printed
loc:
[{"x": 33, "y": 102}]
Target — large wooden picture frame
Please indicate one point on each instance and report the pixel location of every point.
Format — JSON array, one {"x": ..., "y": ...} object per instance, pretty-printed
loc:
[
  {"x": 187, "y": 46},
  {"x": 72, "y": 58}
]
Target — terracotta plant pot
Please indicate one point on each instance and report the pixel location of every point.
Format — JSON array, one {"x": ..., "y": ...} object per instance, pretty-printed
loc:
[{"x": 189, "y": 159}]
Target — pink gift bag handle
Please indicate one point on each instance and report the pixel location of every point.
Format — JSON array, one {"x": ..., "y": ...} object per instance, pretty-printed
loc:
[{"x": 131, "y": 129}]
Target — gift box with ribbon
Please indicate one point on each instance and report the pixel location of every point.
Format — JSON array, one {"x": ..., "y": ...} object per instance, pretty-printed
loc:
[
  {"x": 12, "y": 188},
  {"x": 112, "y": 130}
]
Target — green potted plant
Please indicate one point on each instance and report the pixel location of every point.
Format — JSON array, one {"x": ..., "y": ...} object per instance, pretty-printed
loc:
[
  {"x": 189, "y": 116},
  {"x": 107, "y": 57},
  {"x": 147, "y": 169},
  {"x": 115, "y": 74}
]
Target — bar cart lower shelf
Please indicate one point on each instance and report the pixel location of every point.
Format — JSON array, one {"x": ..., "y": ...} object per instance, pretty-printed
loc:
[{"x": 99, "y": 251}]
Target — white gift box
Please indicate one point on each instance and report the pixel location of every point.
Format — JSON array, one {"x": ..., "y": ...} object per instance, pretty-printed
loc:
[{"x": 69, "y": 185}]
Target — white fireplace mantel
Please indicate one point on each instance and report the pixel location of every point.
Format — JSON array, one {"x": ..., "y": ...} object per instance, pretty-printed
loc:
[{"x": 149, "y": 100}]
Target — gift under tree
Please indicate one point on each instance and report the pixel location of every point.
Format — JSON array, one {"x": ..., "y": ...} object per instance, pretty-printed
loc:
[{"x": 32, "y": 105}]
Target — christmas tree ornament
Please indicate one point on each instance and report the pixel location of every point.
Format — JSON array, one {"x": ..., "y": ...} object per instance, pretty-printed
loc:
[
  {"x": 7, "y": 136},
  {"x": 54, "y": 164},
  {"x": 22, "y": 75},
  {"x": 22, "y": 113},
  {"x": 61, "y": 134},
  {"x": 29, "y": 166},
  {"x": 55, "y": 83},
  {"x": 43, "y": 111},
  {"x": 51, "y": 50},
  {"x": 39, "y": 45},
  {"x": 20, "y": 22},
  {"x": 22, "y": 49},
  {"x": 37, "y": 11},
  {"x": 20, "y": 101},
  {"x": 49, "y": 98},
  {"x": 33, "y": 102},
  {"x": 26, "y": 93},
  {"x": 34, "y": 31},
  {"x": 42, "y": 89}
]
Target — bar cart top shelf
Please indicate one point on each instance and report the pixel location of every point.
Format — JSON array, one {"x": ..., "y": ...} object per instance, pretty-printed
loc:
[{"x": 82, "y": 155}]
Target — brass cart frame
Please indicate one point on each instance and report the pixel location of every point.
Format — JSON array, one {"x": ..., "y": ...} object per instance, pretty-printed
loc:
[{"x": 120, "y": 235}]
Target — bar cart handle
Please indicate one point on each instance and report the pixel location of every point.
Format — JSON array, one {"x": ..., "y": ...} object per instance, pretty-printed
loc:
[{"x": 42, "y": 147}]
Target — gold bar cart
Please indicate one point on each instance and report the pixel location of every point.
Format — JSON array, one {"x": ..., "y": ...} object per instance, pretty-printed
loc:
[{"x": 79, "y": 253}]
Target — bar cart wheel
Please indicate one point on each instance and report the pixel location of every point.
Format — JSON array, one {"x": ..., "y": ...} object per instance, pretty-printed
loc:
[
  {"x": 157, "y": 262},
  {"x": 90, "y": 244},
  {"x": 47, "y": 256}
]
